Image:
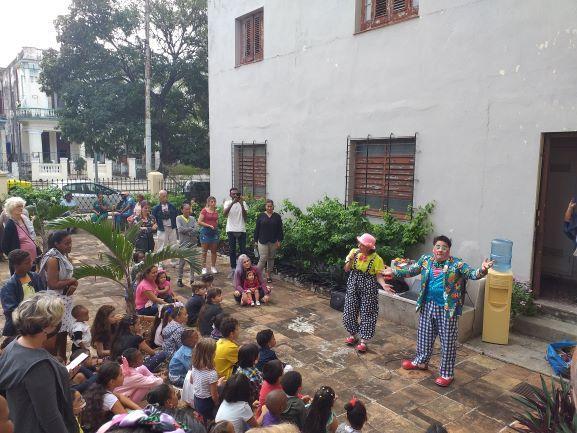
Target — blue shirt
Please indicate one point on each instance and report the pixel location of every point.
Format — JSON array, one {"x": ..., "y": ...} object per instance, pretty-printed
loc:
[
  {"x": 436, "y": 286},
  {"x": 180, "y": 362},
  {"x": 265, "y": 355}
]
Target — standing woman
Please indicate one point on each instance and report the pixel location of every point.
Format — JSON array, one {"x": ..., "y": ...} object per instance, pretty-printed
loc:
[
  {"x": 208, "y": 222},
  {"x": 56, "y": 270},
  {"x": 18, "y": 230},
  {"x": 268, "y": 235},
  {"x": 36, "y": 384},
  {"x": 362, "y": 297},
  {"x": 145, "y": 239}
]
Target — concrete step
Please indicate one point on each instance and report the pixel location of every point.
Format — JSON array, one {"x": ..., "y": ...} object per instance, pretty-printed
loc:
[
  {"x": 522, "y": 350},
  {"x": 562, "y": 311},
  {"x": 546, "y": 328}
]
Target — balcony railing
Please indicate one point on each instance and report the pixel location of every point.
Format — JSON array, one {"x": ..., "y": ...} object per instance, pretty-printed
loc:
[{"x": 36, "y": 113}]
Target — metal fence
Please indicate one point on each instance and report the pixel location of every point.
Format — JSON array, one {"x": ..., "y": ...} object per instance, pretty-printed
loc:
[{"x": 132, "y": 186}]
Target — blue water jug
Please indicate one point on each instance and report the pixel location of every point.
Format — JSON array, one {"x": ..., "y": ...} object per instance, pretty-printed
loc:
[{"x": 501, "y": 253}]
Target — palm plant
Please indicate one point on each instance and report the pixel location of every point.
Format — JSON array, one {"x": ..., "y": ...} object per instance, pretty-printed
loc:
[
  {"x": 548, "y": 410},
  {"x": 117, "y": 262}
]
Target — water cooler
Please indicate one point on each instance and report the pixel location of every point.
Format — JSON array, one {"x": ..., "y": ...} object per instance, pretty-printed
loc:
[{"x": 498, "y": 291}]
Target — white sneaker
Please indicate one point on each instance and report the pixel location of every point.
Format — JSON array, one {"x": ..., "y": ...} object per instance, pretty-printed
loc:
[
  {"x": 252, "y": 304},
  {"x": 213, "y": 270},
  {"x": 204, "y": 271},
  {"x": 257, "y": 302}
]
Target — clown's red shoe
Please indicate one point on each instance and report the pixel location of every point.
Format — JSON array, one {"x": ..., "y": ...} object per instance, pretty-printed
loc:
[
  {"x": 444, "y": 381},
  {"x": 408, "y": 365}
]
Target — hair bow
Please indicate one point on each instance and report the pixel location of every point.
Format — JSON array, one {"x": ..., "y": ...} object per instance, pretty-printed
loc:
[{"x": 353, "y": 401}]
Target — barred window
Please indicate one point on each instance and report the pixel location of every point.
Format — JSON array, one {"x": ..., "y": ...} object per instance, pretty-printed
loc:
[
  {"x": 378, "y": 13},
  {"x": 250, "y": 37},
  {"x": 249, "y": 168},
  {"x": 381, "y": 173}
]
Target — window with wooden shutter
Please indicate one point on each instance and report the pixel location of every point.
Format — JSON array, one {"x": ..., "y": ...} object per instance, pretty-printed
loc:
[
  {"x": 251, "y": 37},
  {"x": 249, "y": 168},
  {"x": 381, "y": 175},
  {"x": 378, "y": 13}
]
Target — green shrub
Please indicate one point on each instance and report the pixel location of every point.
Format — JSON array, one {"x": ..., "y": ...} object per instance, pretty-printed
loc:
[
  {"x": 522, "y": 300},
  {"x": 186, "y": 170},
  {"x": 323, "y": 234},
  {"x": 34, "y": 195}
]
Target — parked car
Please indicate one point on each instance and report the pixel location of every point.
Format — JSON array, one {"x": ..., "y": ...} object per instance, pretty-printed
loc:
[
  {"x": 197, "y": 190},
  {"x": 84, "y": 192}
]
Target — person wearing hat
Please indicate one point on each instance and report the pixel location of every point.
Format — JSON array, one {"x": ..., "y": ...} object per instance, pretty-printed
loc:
[
  {"x": 124, "y": 209},
  {"x": 440, "y": 304},
  {"x": 362, "y": 296}
]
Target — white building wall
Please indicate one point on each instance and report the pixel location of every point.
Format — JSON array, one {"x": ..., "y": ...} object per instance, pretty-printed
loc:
[{"x": 477, "y": 81}]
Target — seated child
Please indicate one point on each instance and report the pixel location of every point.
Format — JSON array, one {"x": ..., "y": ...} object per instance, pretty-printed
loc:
[
  {"x": 226, "y": 355},
  {"x": 165, "y": 291},
  {"x": 204, "y": 379},
  {"x": 221, "y": 427},
  {"x": 138, "y": 379},
  {"x": 247, "y": 358},
  {"x": 86, "y": 375},
  {"x": 295, "y": 411},
  {"x": 101, "y": 402},
  {"x": 196, "y": 301},
  {"x": 250, "y": 292},
  {"x": 181, "y": 360},
  {"x": 266, "y": 341},
  {"x": 209, "y": 311},
  {"x": 80, "y": 335},
  {"x": 78, "y": 404},
  {"x": 276, "y": 403},
  {"x": 356, "y": 416},
  {"x": 216, "y": 334},
  {"x": 271, "y": 374},
  {"x": 321, "y": 417},
  {"x": 172, "y": 332}
]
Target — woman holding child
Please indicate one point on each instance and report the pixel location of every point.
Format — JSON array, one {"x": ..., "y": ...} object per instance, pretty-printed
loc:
[
  {"x": 146, "y": 296},
  {"x": 245, "y": 288}
]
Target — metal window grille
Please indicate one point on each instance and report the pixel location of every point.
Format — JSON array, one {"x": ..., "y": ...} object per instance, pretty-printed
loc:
[
  {"x": 249, "y": 168},
  {"x": 381, "y": 174}
]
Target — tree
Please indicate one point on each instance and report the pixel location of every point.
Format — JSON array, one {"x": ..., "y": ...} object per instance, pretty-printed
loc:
[
  {"x": 117, "y": 262},
  {"x": 98, "y": 75}
]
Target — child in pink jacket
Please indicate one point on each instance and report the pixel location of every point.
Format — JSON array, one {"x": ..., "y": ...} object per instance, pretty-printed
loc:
[{"x": 138, "y": 379}]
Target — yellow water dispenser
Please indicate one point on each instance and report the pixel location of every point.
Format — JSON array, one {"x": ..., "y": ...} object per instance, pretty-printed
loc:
[{"x": 498, "y": 292}]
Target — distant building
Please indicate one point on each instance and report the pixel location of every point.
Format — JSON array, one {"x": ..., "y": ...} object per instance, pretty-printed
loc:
[
  {"x": 391, "y": 103},
  {"x": 28, "y": 124}
]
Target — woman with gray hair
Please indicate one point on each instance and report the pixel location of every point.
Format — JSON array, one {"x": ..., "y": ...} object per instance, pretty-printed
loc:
[
  {"x": 18, "y": 231},
  {"x": 37, "y": 386}
]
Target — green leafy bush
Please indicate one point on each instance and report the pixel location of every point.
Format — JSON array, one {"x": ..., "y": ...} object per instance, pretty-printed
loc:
[
  {"x": 522, "y": 300},
  {"x": 186, "y": 170},
  {"x": 323, "y": 234},
  {"x": 34, "y": 195}
]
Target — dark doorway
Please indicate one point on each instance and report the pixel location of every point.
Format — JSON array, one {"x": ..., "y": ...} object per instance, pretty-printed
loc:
[
  {"x": 554, "y": 265},
  {"x": 46, "y": 157}
]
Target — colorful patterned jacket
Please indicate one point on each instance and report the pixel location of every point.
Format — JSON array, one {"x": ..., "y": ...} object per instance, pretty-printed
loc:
[{"x": 455, "y": 272}]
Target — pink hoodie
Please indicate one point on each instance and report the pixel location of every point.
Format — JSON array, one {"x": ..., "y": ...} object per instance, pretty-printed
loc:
[{"x": 137, "y": 381}]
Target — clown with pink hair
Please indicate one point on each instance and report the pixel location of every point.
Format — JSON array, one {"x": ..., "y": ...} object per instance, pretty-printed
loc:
[{"x": 361, "y": 311}]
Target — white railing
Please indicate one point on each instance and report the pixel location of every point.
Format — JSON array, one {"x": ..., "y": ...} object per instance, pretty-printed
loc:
[{"x": 50, "y": 171}]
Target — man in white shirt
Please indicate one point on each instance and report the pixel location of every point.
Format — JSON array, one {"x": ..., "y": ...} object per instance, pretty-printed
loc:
[{"x": 235, "y": 209}]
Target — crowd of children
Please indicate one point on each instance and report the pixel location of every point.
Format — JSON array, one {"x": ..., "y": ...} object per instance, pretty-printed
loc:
[{"x": 193, "y": 346}]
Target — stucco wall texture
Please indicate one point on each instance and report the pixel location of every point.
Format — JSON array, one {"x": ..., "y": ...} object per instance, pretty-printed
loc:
[{"x": 478, "y": 81}]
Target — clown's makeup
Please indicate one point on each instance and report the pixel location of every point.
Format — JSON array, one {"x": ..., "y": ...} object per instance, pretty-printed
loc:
[{"x": 441, "y": 251}]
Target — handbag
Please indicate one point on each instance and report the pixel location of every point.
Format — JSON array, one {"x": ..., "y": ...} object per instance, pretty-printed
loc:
[{"x": 337, "y": 301}]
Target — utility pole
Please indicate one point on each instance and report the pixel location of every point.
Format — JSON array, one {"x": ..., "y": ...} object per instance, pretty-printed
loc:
[{"x": 147, "y": 126}]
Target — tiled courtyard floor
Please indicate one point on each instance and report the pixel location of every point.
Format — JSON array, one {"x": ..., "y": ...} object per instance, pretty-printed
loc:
[{"x": 309, "y": 335}]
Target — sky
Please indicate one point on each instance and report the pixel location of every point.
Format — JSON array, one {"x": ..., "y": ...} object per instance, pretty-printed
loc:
[{"x": 28, "y": 23}]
